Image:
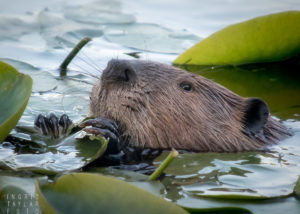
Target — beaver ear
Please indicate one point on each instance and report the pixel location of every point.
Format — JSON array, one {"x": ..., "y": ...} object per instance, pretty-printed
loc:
[{"x": 256, "y": 115}]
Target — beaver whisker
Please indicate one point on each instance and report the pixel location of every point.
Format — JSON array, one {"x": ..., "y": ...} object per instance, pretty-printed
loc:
[
  {"x": 91, "y": 62},
  {"x": 86, "y": 73}
]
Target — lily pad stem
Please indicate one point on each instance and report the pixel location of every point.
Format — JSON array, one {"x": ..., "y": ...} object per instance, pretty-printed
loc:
[
  {"x": 63, "y": 66},
  {"x": 173, "y": 154}
]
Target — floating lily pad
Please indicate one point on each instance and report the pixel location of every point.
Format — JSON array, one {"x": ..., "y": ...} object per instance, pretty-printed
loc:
[
  {"x": 50, "y": 156},
  {"x": 15, "y": 90},
  {"x": 268, "y": 38},
  {"x": 79, "y": 192},
  {"x": 137, "y": 179}
]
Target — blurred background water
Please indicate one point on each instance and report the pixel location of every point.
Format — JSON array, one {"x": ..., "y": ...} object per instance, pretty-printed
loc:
[{"x": 36, "y": 35}]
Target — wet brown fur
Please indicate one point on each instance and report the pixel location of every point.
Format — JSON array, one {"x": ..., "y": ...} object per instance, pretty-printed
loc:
[{"x": 154, "y": 112}]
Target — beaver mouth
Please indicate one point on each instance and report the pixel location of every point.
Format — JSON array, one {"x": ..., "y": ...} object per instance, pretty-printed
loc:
[
  {"x": 129, "y": 107},
  {"x": 134, "y": 104}
]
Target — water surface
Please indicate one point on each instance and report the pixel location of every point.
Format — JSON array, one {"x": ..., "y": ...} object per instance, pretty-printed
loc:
[{"x": 36, "y": 36}]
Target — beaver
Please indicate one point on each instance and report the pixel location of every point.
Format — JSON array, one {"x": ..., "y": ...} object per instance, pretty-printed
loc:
[{"x": 146, "y": 104}]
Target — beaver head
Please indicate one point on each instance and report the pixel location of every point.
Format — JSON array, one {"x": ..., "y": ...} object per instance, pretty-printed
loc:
[{"x": 160, "y": 106}]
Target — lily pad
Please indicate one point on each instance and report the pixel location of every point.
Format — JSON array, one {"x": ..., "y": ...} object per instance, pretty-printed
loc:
[
  {"x": 79, "y": 192},
  {"x": 15, "y": 90},
  {"x": 137, "y": 179},
  {"x": 49, "y": 156},
  {"x": 268, "y": 38}
]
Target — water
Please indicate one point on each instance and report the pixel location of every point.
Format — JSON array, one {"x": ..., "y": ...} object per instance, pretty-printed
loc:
[{"x": 36, "y": 36}]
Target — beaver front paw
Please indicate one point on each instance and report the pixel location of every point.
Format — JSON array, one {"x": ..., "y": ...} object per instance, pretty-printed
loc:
[
  {"x": 49, "y": 125},
  {"x": 107, "y": 128},
  {"x": 101, "y": 126}
]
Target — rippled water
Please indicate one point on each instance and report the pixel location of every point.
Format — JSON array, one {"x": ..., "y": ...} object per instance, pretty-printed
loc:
[{"x": 36, "y": 36}]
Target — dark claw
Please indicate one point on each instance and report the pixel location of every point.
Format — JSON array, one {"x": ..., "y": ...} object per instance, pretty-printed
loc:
[
  {"x": 104, "y": 132},
  {"x": 49, "y": 125},
  {"x": 53, "y": 125},
  {"x": 65, "y": 123},
  {"x": 42, "y": 122},
  {"x": 102, "y": 123}
]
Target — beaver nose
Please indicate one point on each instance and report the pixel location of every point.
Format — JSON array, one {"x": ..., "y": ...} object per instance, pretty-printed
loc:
[{"x": 121, "y": 70}]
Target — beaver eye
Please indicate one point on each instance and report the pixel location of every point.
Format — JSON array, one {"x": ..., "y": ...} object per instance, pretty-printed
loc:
[{"x": 186, "y": 86}]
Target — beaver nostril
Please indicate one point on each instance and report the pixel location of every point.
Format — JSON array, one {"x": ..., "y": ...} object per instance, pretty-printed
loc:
[
  {"x": 120, "y": 70},
  {"x": 126, "y": 72}
]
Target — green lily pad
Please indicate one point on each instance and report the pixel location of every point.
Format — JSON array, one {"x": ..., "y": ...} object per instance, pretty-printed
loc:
[
  {"x": 268, "y": 38},
  {"x": 50, "y": 156},
  {"x": 82, "y": 192},
  {"x": 15, "y": 90},
  {"x": 137, "y": 179}
]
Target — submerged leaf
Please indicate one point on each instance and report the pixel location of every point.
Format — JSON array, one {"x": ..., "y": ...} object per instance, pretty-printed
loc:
[
  {"x": 268, "y": 38},
  {"x": 15, "y": 90},
  {"x": 81, "y": 192}
]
